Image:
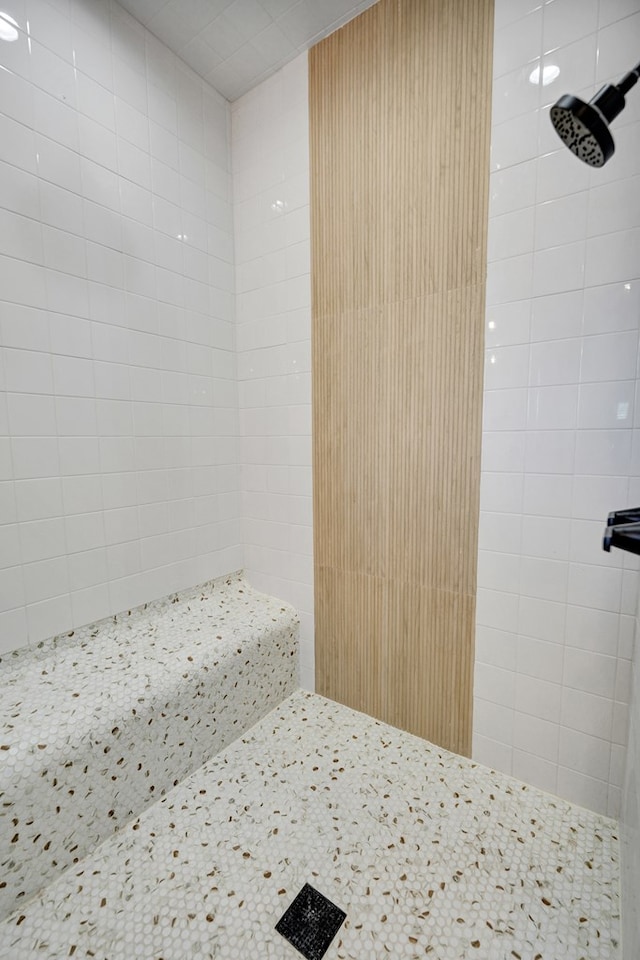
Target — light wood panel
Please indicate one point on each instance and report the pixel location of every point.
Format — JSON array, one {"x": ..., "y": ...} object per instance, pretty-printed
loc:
[
  {"x": 428, "y": 666},
  {"x": 399, "y": 121},
  {"x": 352, "y": 608}
]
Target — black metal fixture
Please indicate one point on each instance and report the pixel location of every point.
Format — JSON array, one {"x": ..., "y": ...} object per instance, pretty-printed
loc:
[
  {"x": 623, "y": 531},
  {"x": 310, "y": 923},
  {"x": 584, "y": 127}
]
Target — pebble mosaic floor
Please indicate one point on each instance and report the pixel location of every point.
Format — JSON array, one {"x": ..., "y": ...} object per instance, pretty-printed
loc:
[
  {"x": 96, "y": 725},
  {"x": 429, "y": 855}
]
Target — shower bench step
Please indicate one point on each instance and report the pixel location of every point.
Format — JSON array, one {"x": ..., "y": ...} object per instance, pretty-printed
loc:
[
  {"x": 427, "y": 853},
  {"x": 98, "y": 724}
]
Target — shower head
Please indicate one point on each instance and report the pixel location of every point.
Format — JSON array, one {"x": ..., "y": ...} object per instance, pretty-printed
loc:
[{"x": 584, "y": 127}]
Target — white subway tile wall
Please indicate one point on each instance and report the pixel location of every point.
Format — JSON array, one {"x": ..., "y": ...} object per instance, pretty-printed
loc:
[
  {"x": 630, "y": 813},
  {"x": 119, "y": 471},
  {"x": 270, "y": 148},
  {"x": 555, "y": 613}
]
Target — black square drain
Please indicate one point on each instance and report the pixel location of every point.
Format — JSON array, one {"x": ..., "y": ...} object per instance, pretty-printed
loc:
[{"x": 311, "y": 923}]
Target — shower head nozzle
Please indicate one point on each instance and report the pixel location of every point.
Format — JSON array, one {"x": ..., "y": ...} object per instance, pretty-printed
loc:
[{"x": 584, "y": 127}]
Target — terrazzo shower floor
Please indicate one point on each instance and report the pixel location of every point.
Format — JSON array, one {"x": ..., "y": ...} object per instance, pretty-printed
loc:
[{"x": 427, "y": 853}]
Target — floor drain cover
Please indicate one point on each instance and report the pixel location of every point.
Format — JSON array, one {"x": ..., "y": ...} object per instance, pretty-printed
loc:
[{"x": 311, "y": 923}]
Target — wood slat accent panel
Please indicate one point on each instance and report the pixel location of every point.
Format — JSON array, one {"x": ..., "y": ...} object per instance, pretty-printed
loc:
[
  {"x": 399, "y": 125},
  {"x": 433, "y": 443},
  {"x": 351, "y": 445},
  {"x": 352, "y": 608},
  {"x": 429, "y": 663}
]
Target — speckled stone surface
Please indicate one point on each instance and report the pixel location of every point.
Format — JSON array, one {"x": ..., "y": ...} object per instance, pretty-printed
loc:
[
  {"x": 429, "y": 854},
  {"x": 97, "y": 725}
]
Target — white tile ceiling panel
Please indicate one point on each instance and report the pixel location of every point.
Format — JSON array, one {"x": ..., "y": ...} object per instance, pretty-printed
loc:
[{"x": 234, "y": 44}]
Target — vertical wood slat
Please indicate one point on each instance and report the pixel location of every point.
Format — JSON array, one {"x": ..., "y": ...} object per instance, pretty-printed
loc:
[{"x": 399, "y": 125}]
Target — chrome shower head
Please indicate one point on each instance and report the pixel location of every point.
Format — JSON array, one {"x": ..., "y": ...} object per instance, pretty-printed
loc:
[{"x": 584, "y": 127}]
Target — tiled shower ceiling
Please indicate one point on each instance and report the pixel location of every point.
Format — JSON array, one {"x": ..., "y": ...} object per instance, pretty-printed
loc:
[{"x": 235, "y": 44}]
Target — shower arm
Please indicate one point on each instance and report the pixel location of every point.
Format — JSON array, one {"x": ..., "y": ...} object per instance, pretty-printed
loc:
[
  {"x": 609, "y": 101},
  {"x": 629, "y": 80}
]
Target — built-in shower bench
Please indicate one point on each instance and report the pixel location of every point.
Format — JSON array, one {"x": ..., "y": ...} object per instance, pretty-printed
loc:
[{"x": 100, "y": 723}]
